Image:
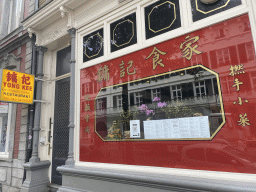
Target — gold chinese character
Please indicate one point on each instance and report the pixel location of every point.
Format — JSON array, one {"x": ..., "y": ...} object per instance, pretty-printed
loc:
[
  {"x": 87, "y": 118},
  {"x": 130, "y": 63},
  {"x": 237, "y": 84},
  {"x": 243, "y": 120},
  {"x": 122, "y": 71},
  {"x": 99, "y": 73},
  {"x": 103, "y": 74},
  {"x": 240, "y": 102},
  {"x": 87, "y": 130},
  {"x": 156, "y": 57},
  {"x": 188, "y": 49},
  {"x": 236, "y": 70},
  {"x": 87, "y": 107},
  {"x": 87, "y": 97}
]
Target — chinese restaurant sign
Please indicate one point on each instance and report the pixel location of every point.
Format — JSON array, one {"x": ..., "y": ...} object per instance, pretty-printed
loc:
[
  {"x": 16, "y": 87},
  {"x": 188, "y": 102}
]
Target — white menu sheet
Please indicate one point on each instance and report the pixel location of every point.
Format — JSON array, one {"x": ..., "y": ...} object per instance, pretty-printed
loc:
[
  {"x": 135, "y": 129},
  {"x": 179, "y": 128}
]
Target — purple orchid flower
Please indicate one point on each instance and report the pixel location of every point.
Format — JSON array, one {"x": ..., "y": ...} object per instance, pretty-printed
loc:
[{"x": 156, "y": 99}]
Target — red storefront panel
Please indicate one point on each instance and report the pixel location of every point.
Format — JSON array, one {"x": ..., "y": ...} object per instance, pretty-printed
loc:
[{"x": 225, "y": 52}]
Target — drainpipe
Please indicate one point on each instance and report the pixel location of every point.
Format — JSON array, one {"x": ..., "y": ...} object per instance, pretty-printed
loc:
[
  {"x": 37, "y": 171},
  {"x": 70, "y": 160},
  {"x": 34, "y": 159},
  {"x": 31, "y": 107}
]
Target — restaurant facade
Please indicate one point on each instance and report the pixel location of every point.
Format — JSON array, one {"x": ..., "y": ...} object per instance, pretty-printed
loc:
[{"x": 142, "y": 95}]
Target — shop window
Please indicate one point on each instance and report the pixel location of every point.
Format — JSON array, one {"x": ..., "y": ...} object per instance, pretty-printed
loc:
[
  {"x": 5, "y": 120},
  {"x": 223, "y": 57},
  {"x": 201, "y": 10},
  {"x": 123, "y": 32},
  {"x": 149, "y": 99},
  {"x": 161, "y": 17},
  {"x": 250, "y": 51},
  {"x": 93, "y": 46}
]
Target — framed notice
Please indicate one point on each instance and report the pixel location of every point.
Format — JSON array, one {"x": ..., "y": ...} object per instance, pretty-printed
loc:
[{"x": 135, "y": 129}]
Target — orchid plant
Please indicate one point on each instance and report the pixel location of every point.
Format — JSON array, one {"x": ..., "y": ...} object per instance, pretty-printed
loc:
[{"x": 144, "y": 107}]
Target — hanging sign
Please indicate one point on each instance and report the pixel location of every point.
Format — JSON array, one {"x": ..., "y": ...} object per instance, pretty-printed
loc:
[{"x": 16, "y": 87}]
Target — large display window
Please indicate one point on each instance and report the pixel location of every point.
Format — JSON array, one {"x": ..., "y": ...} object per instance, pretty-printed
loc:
[{"x": 188, "y": 102}]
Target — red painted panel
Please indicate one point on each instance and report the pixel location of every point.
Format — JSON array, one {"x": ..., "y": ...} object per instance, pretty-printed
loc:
[{"x": 232, "y": 149}]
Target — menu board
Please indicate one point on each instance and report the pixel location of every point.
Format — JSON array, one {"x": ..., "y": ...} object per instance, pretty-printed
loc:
[{"x": 180, "y": 128}]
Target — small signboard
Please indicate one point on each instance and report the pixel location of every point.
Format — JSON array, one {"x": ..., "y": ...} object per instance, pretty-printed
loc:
[{"x": 16, "y": 87}]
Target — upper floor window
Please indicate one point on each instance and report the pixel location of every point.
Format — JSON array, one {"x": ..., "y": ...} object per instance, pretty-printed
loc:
[
  {"x": 11, "y": 16},
  {"x": 176, "y": 92},
  {"x": 200, "y": 88},
  {"x": 247, "y": 26},
  {"x": 219, "y": 33},
  {"x": 197, "y": 59},
  {"x": 101, "y": 103},
  {"x": 156, "y": 93},
  {"x": 250, "y": 51},
  {"x": 41, "y": 3},
  {"x": 5, "y": 116},
  {"x": 223, "y": 56}
]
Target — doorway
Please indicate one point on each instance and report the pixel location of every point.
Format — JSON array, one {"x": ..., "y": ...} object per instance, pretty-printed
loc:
[{"x": 61, "y": 114}]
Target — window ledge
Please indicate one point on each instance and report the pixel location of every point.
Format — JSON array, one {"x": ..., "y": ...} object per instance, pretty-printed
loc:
[
  {"x": 164, "y": 178},
  {"x": 10, "y": 35},
  {"x": 4, "y": 156}
]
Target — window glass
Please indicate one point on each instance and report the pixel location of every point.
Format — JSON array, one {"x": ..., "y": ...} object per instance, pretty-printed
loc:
[
  {"x": 4, "y": 109},
  {"x": 123, "y": 32},
  {"x": 218, "y": 156},
  {"x": 196, "y": 154},
  {"x": 201, "y": 10},
  {"x": 161, "y": 17},
  {"x": 63, "y": 61},
  {"x": 93, "y": 46}
]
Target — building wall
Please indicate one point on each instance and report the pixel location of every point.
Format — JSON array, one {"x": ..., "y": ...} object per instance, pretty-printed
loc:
[
  {"x": 17, "y": 42},
  {"x": 88, "y": 17}
]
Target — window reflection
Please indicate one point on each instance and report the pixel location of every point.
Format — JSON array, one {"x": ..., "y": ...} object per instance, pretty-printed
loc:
[{"x": 191, "y": 92}]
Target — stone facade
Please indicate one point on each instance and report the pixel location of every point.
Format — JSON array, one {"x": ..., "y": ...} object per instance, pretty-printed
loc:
[{"x": 16, "y": 48}]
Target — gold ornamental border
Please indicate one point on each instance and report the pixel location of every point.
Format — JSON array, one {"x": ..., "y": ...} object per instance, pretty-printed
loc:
[
  {"x": 211, "y": 10},
  {"x": 175, "y": 16},
  {"x": 173, "y": 139},
  {"x": 130, "y": 38},
  {"x": 100, "y": 47}
]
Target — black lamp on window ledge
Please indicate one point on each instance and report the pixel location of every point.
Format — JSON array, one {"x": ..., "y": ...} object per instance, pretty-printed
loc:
[{"x": 208, "y": 1}]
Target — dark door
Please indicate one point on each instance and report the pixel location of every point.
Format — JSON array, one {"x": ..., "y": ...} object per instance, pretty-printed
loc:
[
  {"x": 60, "y": 130},
  {"x": 61, "y": 115}
]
